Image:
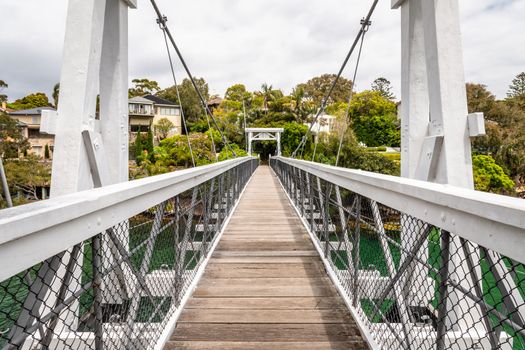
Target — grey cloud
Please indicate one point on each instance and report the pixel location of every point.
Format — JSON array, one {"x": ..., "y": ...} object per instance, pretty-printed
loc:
[{"x": 254, "y": 41}]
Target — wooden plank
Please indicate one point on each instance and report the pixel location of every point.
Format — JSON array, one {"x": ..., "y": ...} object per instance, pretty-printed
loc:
[
  {"x": 293, "y": 303},
  {"x": 263, "y": 291},
  {"x": 255, "y": 253},
  {"x": 265, "y": 332},
  {"x": 263, "y": 259},
  {"x": 214, "y": 345},
  {"x": 319, "y": 280},
  {"x": 264, "y": 246},
  {"x": 264, "y": 316},
  {"x": 262, "y": 270}
]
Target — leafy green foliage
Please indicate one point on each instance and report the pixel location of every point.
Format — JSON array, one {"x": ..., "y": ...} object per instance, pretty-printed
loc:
[
  {"x": 138, "y": 147},
  {"x": 46, "y": 151},
  {"x": 12, "y": 142},
  {"x": 26, "y": 175},
  {"x": 190, "y": 101},
  {"x": 384, "y": 87},
  {"x": 317, "y": 87},
  {"x": 163, "y": 128},
  {"x": 143, "y": 87},
  {"x": 226, "y": 153},
  {"x": 35, "y": 100},
  {"x": 374, "y": 119},
  {"x": 3, "y": 85},
  {"x": 517, "y": 88},
  {"x": 505, "y": 130},
  {"x": 56, "y": 94},
  {"x": 490, "y": 177}
]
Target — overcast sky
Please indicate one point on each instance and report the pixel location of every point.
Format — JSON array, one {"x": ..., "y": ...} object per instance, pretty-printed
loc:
[{"x": 280, "y": 42}]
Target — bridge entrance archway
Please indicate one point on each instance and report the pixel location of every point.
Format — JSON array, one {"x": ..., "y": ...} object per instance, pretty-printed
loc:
[{"x": 264, "y": 134}]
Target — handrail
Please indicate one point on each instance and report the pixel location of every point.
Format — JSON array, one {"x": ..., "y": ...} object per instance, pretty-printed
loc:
[
  {"x": 31, "y": 233},
  {"x": 488, "y": 219},
  {"x": 420, "y": 265}
]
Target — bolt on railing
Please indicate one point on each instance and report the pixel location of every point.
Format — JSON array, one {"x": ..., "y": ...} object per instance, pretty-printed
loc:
[
  {"x": 137, "y": 249},
  {"x": 410, "y": 279}
]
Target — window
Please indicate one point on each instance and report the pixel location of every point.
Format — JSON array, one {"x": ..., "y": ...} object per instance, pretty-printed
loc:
[
  {"x": 137, "y": 128},
  {"x": 140, "y": 109},
  {"x": 168, "y": 111},
  {"x": 33, "y": 133}
]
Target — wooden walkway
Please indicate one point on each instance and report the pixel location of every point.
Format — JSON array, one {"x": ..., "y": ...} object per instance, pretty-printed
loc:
[{"x": 265, "y": 286}]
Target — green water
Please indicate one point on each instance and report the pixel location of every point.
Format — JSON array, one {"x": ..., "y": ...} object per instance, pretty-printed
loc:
[{"x": 371, "y": 256}]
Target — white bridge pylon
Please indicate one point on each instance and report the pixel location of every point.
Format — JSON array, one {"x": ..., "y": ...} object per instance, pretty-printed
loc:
[{"x": 264, "y": 134}]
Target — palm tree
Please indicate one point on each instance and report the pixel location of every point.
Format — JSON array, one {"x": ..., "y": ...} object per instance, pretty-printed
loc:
[
  {"x": 56, "y": 93},
  {"x": 266, "y": 92}
]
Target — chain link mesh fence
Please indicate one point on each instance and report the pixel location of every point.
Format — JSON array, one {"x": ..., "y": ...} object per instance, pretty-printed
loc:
[
  {"x": 120, "y": 288},
  {"x": 412, "y": 284}
]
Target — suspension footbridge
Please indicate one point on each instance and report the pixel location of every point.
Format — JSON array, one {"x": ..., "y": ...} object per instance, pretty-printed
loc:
[{"x": 238, "y": 255}]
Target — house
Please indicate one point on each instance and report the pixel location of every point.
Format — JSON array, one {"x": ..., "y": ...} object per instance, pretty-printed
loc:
[
  {"x": 147, "y": 110},
  {"x": 214, "y": 102},
  {"x": 29, "y": 120},
  {"x": 326, "y": 124}
]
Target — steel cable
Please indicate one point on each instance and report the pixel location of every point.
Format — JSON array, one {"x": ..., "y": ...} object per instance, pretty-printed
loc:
[
  {"x": 364, "y": 26},
  {"x": 161, "y": 20}
]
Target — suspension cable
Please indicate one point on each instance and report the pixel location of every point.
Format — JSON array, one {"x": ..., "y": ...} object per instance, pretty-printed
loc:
[
  {"x": 350, "y": 97},
  {"x": 161, "y": 20},
  {"x": 364, "y": 25},
  {"x": 178, "y": 98}
]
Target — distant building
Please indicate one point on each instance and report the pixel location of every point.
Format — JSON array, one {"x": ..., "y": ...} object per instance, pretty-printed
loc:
[
  {"x": 214, "y": 102},
  {"x": 326, "y": 124},
  {"x": 149, "y": 109},
  {"x": 29, "y": 121}
]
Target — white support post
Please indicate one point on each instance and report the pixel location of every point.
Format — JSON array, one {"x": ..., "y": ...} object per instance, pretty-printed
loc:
[
  {"x": 76, "y": 112},
  {"x": 94, "y": 61},
  {"x": 114, "y": 121},
  {"x": 414, "y": 129},
  {"x": 250, "y": 136},
  {"x": 435, "y": 134},
  {"x": 448, "y": 111},
  {"x": 278, "y": 135}
]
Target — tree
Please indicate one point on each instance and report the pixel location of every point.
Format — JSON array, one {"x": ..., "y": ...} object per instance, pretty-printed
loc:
[
  {"x": 56, "y": 94},
  {"x": 292, "y": 136},
  {"x": 384, "y": 87},
  {"x": 489, "y": 176},
  {"x": 35, "y": 100},
  {"x": 163, "y": 128},
  {"x": 28, "y": 174},
  {"x": 149, "y": 142},
  {"x": 190, "y": 101},
  {"x": 517, "y": 88},
  {"x": 12, "y": 142},
  {"x": 237, "y": 93},
  {"x": 317, "y": 87},
  {"x": 139, "y": 147},
  {"x": 143, "y": 87},
  {"x": 3, "y": 85},
  {"x": 46, "y": 152},
  {"x": 301, "y": 107},
  {"x": 373, "y": 119}
]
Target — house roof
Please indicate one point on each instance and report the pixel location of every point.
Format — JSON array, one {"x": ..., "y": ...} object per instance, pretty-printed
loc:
[
  {"x": 214, "y": 100},
  {"x": 32, "y": 111},
  {"x": 159, "y": 101},
  {"x": 140, "y": 99}
]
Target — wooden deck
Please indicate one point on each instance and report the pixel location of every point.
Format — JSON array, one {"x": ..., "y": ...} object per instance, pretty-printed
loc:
[{"x": 265, "y": 286}]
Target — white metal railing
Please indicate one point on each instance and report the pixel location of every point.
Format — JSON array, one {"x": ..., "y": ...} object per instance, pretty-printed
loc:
[
  {"x": 110, "y": 267},
  {"x": 421, "y": 265}
]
